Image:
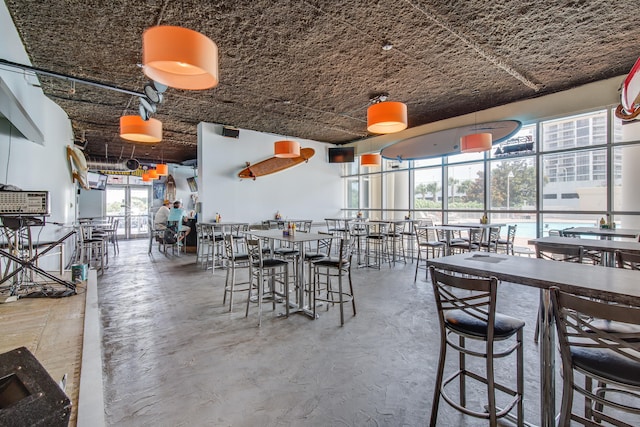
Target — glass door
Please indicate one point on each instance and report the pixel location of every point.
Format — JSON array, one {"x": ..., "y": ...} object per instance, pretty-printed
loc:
[{"x": 130, "y": 204}]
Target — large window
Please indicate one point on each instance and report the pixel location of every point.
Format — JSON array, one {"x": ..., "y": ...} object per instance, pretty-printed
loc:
[{"x": 552, "y": 174}]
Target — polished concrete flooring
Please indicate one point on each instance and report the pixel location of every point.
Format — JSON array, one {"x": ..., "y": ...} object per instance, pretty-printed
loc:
[{"x": 174, "y": 355}]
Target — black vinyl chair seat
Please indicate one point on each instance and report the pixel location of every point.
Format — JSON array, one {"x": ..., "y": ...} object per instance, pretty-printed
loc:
[
  {"x": 314, "y": 256},
  {"x": 504, "y": 327},
  {"x": 242, "y": 256},
  {"x": 608, "y": 364},
  {"x": 332, "y": 262},
  {"x": 286, "y": 251},
  {"x": 271, "y": 262}
]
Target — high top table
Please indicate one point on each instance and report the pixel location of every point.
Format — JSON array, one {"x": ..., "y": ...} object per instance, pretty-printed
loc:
[
  {"x": 298, "y": 239},
  {"x": 603, "y": 233},
  {"x": 607, "y": 247},
  {"x": 592, "y": 281}
]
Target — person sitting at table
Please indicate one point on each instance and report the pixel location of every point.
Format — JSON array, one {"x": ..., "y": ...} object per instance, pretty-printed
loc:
[
  {"x": 162, "y": 216},
  {"x": 178, "y": 216}
]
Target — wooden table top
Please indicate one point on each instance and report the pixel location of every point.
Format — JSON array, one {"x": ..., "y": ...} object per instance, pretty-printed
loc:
[
  {"x": 298, "y": 236},
  {"x": 611, "y": 284},
  {"x": 591, "y": 244},
  {"x": 603, "y": 232}
]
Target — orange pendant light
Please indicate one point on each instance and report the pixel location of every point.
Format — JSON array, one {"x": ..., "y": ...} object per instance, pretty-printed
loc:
[
  {"x": 287, "y": 149},
  {"x": 180, "y": 57},
  {"x": 387, "y": 117},
  {"x": 162, "y": 169},
  {"x": 370, "y": 160},
  {"x": 145, "y": 177},
  {"x": 133, "y": 128},
  {"x": 153, "y": 174},
  {"x": 476, "y": 142}
]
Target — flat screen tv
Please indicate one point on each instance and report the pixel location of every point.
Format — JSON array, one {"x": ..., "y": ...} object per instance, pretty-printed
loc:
[
  {"x": 97, "y": 180},
  {"x": 341, "y": 154},
  {"x": 193, "y": 185}
]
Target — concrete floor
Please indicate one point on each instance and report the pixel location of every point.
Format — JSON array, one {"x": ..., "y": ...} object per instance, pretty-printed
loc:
[{"x": 174, "y": 356}]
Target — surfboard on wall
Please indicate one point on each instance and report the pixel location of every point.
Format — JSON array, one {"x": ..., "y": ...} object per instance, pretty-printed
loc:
[
  {"x": 629, "y": 107},
  {"x": 171, "y": 189},
  {"x": 78, "y": 165},
  {"x": 275, "y": 164}
]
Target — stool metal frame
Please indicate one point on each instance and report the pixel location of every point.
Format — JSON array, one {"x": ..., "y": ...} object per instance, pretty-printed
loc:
[
  {"x": 472, "y": 315},
  {"x": 604, "y": 354}
]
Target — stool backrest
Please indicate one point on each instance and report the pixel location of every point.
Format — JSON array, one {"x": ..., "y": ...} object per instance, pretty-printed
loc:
[
  {"x": 628, "y": 260},
  {"x": 559, "y": 252},
  {"x": 586, "y": 324},
  {"x": 453, "y": 293},
  {"x": 254, "y": 249}
]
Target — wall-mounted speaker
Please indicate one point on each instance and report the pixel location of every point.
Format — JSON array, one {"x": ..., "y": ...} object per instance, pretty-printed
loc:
[{"x": 230, "y": 131}]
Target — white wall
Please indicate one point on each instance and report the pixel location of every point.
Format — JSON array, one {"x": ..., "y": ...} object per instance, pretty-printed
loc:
[
  {"x": 33, "y": 165},
  {"x": 312, "y": 190}
]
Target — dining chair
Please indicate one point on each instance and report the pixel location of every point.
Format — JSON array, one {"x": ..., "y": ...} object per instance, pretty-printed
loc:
[
  {"x": 609, "y": 358},
  {"x": 428, "y": 243},
  {"x": 489, "y": 240},
  {"x": 335, "y": 267},
  {"x": 627, "y": 260},
  {"x": 472, "y": 243},
  {"x": 508, "y": 244},
  {"x": 467, "y": 310},
  {"x": 271, "y": 271}
]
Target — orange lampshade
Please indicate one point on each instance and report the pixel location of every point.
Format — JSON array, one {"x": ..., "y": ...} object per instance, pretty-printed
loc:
[
  {"x": 162, "y": 169},
  {"x": 370, "y": 160},
  {"x": 153, "y": 174},
  {"x": 387, "y": 117},
  {"x": 133, "y": 128},
  {"x": 179, "y": 57},
  {"x": 145, "y": 177},
  {"x": 476, "y": 142},
  {"x": 287, "y": 149}
]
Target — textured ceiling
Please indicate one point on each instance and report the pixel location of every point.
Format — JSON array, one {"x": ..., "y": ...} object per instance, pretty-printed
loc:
[{"x": 307, "y": 68}]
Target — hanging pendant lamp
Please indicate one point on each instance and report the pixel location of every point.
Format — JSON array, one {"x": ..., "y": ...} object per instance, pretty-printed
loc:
[
  {"x": 180, "y": 57},
  {"x": 153, "y": 174},
  {"x": 387, "y": 117},
  {"x": 133, "y": 128},
  {"x": 145, "y": 177},
  {"x": 287, "y": 149},
  {"x": 370, "y": 160},
  {"x": 476, "y": 142},
  {"x": 162, "y": 169}
]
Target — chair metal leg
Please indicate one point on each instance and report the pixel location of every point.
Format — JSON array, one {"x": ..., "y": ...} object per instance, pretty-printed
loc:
[{"x": 438, "y": 385}]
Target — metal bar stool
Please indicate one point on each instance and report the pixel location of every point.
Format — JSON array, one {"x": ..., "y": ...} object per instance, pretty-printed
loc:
[
  {"x": 601, "y": 341},
  {"x": 332, "y": 267},
  {"x": 467, "y": 309},
  {"x": 234, "y": 260},
  {"x": 261, "y": 270},
  {"x": 377, "y": 245},
  {"x": 427, "y": 243}
]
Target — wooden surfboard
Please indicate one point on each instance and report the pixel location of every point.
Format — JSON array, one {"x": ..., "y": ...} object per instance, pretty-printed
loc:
[
  {"x": 171, "y": 189},
  {"x": 275, "y": 164},
  {"x": 629, "y": 107}
]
